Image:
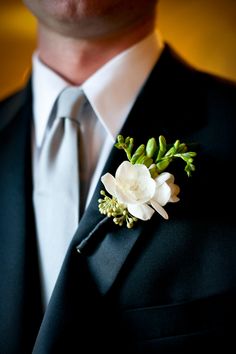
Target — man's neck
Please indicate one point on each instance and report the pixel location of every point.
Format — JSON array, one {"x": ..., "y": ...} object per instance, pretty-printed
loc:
[{"x": 77, "y": 59}]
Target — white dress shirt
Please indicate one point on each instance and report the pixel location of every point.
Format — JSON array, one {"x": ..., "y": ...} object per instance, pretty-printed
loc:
[{"x": 111, "y": 91}]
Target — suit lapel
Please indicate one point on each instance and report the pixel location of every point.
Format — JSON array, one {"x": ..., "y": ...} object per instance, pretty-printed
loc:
[
  {"x": 158, "y": 110},
  {"x": 19, "y": 285},
  {"x": 106, "y": 246}
]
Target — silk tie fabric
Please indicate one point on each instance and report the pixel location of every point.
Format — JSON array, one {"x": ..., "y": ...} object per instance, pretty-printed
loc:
[{"x": 57, "y": 186}]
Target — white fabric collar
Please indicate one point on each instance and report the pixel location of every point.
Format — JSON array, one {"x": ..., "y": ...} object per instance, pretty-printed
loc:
[
  {"x": 111, "y": 90},
  {"x": 46, "y": 87}
]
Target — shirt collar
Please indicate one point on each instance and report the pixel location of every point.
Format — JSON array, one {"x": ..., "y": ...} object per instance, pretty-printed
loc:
[
  {"x": 111, "y": 90},
  {"x": 46, "y": 87}
]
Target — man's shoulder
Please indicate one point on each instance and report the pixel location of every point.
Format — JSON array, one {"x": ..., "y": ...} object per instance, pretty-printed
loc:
[
  {"x": 15, "y": 96},
  {"x": 12, "y": 104},
  {"x": 183, "y": 90},
  {"x": 188, "y": 87},
  {"x": 184, "y": 70}
]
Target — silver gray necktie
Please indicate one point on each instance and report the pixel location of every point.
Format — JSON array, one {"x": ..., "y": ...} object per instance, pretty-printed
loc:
[{"x": 56, "y": 189}]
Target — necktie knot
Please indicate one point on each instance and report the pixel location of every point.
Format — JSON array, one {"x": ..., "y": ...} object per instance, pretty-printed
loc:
[{"x": 70, "y": 103}]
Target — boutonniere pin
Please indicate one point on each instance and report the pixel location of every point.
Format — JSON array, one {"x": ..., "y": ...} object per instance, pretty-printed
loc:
[{"x": 141, "y": 185}]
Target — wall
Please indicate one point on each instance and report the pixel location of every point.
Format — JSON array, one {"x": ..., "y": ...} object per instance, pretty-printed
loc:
[{"x": 203, "y": 31}]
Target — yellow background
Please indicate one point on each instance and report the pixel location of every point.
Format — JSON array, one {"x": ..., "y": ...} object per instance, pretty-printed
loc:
[{"x": 203, "y": 31}]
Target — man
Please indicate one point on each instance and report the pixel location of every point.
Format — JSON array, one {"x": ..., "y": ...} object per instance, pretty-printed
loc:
[{"x": 164, "y": 286}]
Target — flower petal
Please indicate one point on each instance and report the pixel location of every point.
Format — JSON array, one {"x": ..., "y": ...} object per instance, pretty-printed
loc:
[
  {"x": 143, "y": 212},
  {"x": 159, "y": 209},
  {"x": 174, "y": 199},
  {"x": 174, "y": 192},
  {"x": 109, "y": 183},
  {"x": 125, "y": 169},
  {"x": 163, "y": 194},
  {"x": 134, "y": 184},
  {"x": 164, "y": 177}
]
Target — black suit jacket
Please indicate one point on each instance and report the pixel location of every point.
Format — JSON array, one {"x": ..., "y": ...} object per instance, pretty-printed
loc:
[{"x": 162, "y": 287}]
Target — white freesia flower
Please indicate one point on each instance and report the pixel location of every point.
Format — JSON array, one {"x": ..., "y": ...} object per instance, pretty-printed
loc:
[
  {"x": 137, "y": 191},
  {"x": 166, "y": 191},
  {"x": 134, "y": 187}
]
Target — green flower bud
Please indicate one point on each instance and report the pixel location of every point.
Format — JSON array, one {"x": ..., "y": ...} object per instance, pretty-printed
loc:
[
  {"x": 120, "y": 139},
  {"x": 189, "y": 154},
  {"x": 138, "y": 152},
  {"x": 182, "y": 148},
  {"x": 151, "y": 147},
  {"x": 129, "y": 148},
  {"x": 153, "y": 171},
  {"x": 176, "y": 145},
  {"x": 147, "y": 161},
  {"x": 162, "y": 165},
  {"x": 162, "y": 148},
  {"x": 127, "y": 140},
  {"x": 144, "y": 160},
  {"x": 162, "y": 143},
  {"x": 120, "y": 142},
  {"x": 171, "y": 151}
]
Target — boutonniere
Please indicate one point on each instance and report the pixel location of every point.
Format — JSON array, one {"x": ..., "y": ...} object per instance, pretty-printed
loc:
[{"x": 141, "y": 185}]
